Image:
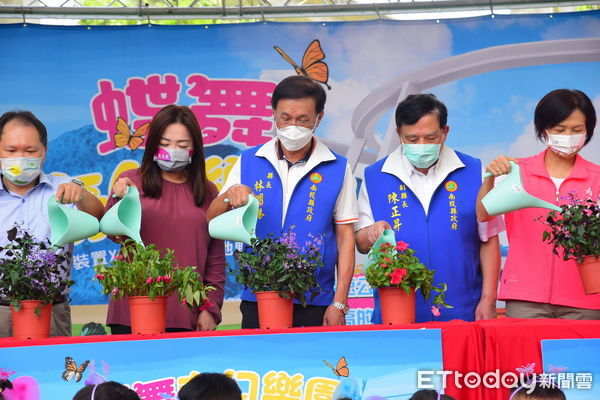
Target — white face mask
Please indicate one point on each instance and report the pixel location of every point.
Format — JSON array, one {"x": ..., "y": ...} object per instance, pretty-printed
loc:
[
  {"x": 294, "y": 138},
  {"x": 21, "y": 170},
  {"x": 565, "y": 145},
  {"x": 173, "y": 160}
]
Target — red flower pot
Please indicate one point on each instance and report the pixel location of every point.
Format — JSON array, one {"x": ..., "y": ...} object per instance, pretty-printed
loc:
[
  {"x": 589, "y": 272},
  {"x": 27, "y": 325},
  {"x": 397, "y": 307},
  {"x": 147, "y": 316},
  {"x": 274, "y": 312}
]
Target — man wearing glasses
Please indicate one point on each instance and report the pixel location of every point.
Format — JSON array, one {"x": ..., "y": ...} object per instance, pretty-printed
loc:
[
  {"x": 300, "y": 183},
  {"x": 426, "y": 192}
]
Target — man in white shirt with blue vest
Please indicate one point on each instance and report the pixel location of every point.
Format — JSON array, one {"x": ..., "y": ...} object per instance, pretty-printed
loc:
[
  {"x": 24, "y": 195},
  {"x": 296, "y": 163},
  {"x": 426, "y": 192}
]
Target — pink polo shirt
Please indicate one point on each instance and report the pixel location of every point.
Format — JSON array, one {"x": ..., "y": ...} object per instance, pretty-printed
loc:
[{"x": 532, "y": 272}]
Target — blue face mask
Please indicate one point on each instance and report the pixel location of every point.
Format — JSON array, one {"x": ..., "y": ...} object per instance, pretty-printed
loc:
[{"x": 421, "y": 155}]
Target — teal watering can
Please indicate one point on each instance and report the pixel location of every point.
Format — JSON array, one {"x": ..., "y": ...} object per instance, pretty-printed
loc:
[
  {"x": 237, "y": 225},
  {"x": 388, "y": 236},
  {"x": 68, "y": 224},
  {"x": 125, "y": 217},
  {"x": 509, "y": 195}
]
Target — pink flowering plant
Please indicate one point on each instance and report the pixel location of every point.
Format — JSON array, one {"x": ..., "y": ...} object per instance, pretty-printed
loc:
[
  {"x": 280, "y": 264},
  {"x": 140, "y": 270},
  {"x": 575, "y": 231},
  {"x": 32, "y": 269},
  {"x": 397, "y": 266}
]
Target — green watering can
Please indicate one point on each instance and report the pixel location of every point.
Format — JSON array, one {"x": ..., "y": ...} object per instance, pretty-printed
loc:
[
  {"x": 237, "y": 225},
  {"x": 125, "y": 217},
  {"x": 509, "y": 195},
  {"x": 388, "y": 236},
  {"x": 68, "y": 224}
]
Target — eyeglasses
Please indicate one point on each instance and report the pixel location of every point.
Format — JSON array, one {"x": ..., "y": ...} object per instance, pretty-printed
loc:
[{"x": 303, "y": 122}]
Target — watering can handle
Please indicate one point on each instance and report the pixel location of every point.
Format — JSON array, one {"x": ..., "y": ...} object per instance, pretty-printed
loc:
[{"x": 489, "y": 174}]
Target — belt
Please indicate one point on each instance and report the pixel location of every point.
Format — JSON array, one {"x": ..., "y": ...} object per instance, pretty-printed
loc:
[{"x": 61, "y": 299}]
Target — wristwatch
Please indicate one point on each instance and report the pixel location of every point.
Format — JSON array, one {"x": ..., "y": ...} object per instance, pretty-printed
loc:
[
  {"x": 341, "y": 306},
  {"x": 78, "y": 182}
]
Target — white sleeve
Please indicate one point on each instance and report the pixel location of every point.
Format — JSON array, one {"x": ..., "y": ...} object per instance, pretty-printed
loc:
[
  {"x": 345, "y": 211},
  {"x": 365, "y": 214},
  {"x": 234, "y": 177}
]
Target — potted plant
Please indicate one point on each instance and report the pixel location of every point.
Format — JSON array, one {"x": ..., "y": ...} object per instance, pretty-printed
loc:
[
  {"x": 576, "y": 231},
  {"x": 278, "y": 271},
  {"x": 147, "y": 276},
  {"x": 397, "y": 273},
  {"x": 32, "y": 276}
]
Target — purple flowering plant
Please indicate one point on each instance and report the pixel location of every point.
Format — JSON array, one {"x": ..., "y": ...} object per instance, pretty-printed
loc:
[
  {"x": 576, "y": 229},
  {"x": 140, "y": 270},
  {"x": 32, "y": 270},
  {"x": 280, "y": 264}
]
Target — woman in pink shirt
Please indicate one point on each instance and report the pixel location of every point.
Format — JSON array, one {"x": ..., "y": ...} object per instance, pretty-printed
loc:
[
  {"x": 536, "y": 283},
  {"x": 175, "y": 194}
]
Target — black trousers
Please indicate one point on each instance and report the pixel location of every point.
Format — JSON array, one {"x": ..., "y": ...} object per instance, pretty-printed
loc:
[
  {"x": 118, "y": 329},
  {"x": 303, "y": 316}
]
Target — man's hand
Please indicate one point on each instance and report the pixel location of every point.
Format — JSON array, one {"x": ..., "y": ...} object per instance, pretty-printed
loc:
[
  {"x": 237, "y": 195},
  {"x": 206, "y": 321},
  {"x": 68, "y": 193},
  {"x": 367, "y": 236},
  {"x": 333, "y": 317},
  {"x": 486, "y": 309}
]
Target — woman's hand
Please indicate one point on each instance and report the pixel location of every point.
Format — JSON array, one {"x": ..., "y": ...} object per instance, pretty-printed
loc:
[
  {"x": 500, "y": 166},
  {"x": 120, "y": 187}
]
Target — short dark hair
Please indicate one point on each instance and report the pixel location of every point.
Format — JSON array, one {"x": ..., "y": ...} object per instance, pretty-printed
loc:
[
  {"x": 415, "y": 106},
  {"x": 299, "y": 87},
  {"x": 24, "y": 118},
  {"x": 106, "y": 391},
  {"x": 539, "y": 392},
  {"x": 210, "y": 386},
  {"x": 557, "y": 105},
  {"x": 428, "y": 394}
]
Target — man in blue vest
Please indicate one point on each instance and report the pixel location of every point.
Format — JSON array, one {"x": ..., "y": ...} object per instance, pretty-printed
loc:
[
  {"x": 426, "y": 192},
  {"x": 305, "y": 185}
]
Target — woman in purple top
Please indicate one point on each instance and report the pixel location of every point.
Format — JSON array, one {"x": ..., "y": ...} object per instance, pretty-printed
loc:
[{"x": 175, "y": 195}]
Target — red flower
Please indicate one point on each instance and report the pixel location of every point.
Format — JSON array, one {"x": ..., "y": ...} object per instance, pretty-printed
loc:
[
  {"x": 99, "y": 277},
  {"x": 387, "y": 260},
  {"x": 206, "y": 305},
  {"x": 397, "y": 275},
  {"x": 166, "y": 279},
  {"x": 384, "y": 265},
  {"x": 149, "y": 280},
  {"x": 119, "y": 256},
  {"x": 401, "y": 246},
  {"x": 435, "y": 311}
]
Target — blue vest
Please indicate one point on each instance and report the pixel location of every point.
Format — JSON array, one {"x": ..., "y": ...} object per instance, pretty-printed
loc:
[
  {"x": 446, "y": 239},
  {"x": 310, "y": 210}
]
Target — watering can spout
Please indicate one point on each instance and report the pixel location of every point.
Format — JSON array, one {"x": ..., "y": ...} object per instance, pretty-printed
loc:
[
  {"x": 509, "y": 195},
  {"x": 388, "y": 236},
  {"x": 237, "y": 225},
  {"x": 68, "y": 224},
  {"x": 125, "y": 217}
]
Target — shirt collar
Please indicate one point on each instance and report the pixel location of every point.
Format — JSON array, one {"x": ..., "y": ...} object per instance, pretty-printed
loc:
[
  {"x": 281, "y": 155},
  {"x": 538, "y": 166},
  {"x": 320, "y": 153}
]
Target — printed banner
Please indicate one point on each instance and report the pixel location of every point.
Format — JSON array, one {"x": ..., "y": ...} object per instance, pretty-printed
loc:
[
  {"x": 290, "y": 366},
  {"x": 96, "y": 88},
  {"x": 572, "y": 366}
]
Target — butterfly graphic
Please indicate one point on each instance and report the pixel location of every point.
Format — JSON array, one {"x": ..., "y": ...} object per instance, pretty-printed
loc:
[
  {"x": 526, "y": 369},
  {"x": 341, "y": 369},
  {"x": 124, "y": 137},
  {"x": 72, "y": 370},
  {"x": 312, "y": 63}
]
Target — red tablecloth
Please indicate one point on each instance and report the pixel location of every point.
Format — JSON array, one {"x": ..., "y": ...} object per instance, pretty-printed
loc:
[{"x": 480, "y": 347}]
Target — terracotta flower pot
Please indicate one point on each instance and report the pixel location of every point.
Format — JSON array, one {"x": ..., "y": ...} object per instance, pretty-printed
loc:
[
  {"x": 589, "y": 271},
  {"x": 147, "y": 316},
  {"x": 397, "y": 307},
  {"x": 27, "y": 325},
  {"x": 273, "y": 311}
]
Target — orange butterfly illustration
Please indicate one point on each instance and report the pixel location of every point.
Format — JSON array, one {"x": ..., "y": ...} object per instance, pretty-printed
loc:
[
  {"x": 312, "y": 63},
  {"x": 72, "y": 370},
  {"x": 341, "y": 369},
  {"x": 124, "y": 137}
]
